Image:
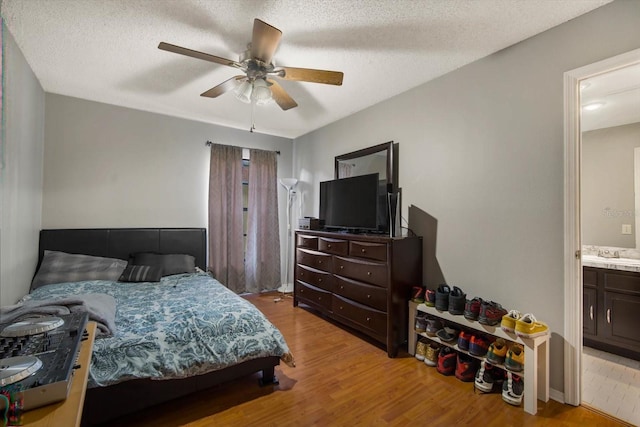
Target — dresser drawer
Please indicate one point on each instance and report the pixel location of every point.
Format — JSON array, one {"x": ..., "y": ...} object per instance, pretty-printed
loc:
[
  {"x": 377, "y": 251},
  {"x": 318, "y": 278},
  {"x": 372, "y": 296},
  {"x": 318, "y": 260},
  {"x": 313, "y": 296},
  {"x": 369, "y": 318},
  {"x": 333, "y": 246},
  {"x": 364, "y": 271},
  {"x": 309, "y": 242},
  {"x": 589, "y": 277}
]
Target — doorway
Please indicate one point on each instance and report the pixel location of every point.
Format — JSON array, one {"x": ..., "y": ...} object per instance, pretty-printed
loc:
[{"x": 574, "y": 362}]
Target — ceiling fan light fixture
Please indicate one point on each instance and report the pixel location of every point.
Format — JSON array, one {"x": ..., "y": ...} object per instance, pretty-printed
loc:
[
  {"x": 243, "y": 91},
  {"x": 261, "y": 93}
]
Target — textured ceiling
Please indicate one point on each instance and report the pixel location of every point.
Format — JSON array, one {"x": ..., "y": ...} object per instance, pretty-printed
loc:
[{"x": 106, "y": 50}]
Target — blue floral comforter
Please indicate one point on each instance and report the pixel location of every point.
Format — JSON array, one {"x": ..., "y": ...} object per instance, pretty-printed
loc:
[{"x": 184, "y": 325}]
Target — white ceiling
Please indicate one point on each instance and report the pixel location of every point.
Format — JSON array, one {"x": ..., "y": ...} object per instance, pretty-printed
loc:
[
  {"x": 106, "y": 50},
  {"x": 619, "y": 93}
]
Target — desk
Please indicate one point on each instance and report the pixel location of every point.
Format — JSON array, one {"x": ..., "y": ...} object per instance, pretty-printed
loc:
[{"x": 67, "y": 413}]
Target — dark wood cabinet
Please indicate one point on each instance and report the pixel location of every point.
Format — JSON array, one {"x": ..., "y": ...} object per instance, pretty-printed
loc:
[
  {"x": 361, "y": 281},
  {"x": 612, "y": 311}
]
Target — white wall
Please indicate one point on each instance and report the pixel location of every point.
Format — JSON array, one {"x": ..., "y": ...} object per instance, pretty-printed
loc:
[
  {"x": 109, "y": 166},
  {"x": 481, "y": 151},
  {"x": 20, "y": 173}
]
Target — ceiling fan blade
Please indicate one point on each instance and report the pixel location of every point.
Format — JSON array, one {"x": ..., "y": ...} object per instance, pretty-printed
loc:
[
  {"x": 311, "y": 75},
  {"x": 265, "y": 41},
  {"x": 199, "y": 55},
  {"x": 281, "y": 97},
  {"x": 223, "y": 87}
]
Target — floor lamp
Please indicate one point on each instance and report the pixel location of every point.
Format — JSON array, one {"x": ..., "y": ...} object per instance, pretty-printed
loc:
[{"x": 288, "y": 184}]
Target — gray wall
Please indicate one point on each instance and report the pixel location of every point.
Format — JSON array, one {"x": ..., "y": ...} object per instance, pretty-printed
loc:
[
  {"x": 20, "y": 173},
  {"x": 481, "y": 152},
  {"x": 109, "y": 166},
  {"x": 607, "y": 188}
]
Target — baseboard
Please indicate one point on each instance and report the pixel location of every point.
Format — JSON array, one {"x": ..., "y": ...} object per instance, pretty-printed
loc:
[{"x": 556, "y": 395}]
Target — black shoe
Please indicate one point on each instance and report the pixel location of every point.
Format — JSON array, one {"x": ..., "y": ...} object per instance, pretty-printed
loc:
[
  {"x": 457, "y": 301},
  {"x": 442, "y": 297}
]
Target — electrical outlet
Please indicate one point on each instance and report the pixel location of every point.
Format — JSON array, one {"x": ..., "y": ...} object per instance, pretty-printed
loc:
[{"x": 626, "y": 228}]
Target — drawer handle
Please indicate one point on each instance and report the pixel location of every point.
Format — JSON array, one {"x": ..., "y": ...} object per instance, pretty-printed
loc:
[
  {"x": 591, "y": 312},
  {"x": 319, "y": 298},
  {"x": 368, "y": 319},
  {"x": 368, "y": 296},
  {"x": 364, "y": 251},
  {"x": 368, "y": 273},
  {"x": 608, "y": 315},
  {"x": 341, "y": 267},
  {"x": 301, "y": 274},
  {"x": 301, "y": 290},
  {"x": 319, "y": 279},
  {"x": 341, "y": 287},
  {"x": 329, "y": 246},
  {"x": 341, "y": 307},
  {"x": 320, "y": 262}
]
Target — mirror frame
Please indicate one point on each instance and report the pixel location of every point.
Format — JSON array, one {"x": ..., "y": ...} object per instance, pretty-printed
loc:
[{"x": 392, "y": 169}]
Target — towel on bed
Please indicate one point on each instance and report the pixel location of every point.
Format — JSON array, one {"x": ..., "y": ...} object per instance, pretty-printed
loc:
[{"x": 100, "y": 307}]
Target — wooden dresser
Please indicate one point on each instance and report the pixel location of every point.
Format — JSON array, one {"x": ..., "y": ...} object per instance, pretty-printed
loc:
[{"x": 361, "y": 281}]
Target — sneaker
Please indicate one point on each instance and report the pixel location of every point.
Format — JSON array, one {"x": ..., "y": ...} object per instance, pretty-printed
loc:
[
  {"x": 463, "y": 340},
  {"x": 508, "y": 323},
  {"x": 466, "y": 368},
  {"x": 491, "y": 313},
  {"x": 430, "y": 298},
  {"x": 514, "y": 361},
  {"x": 497, "y": 351},
  {"x": 417, "y": 294},
  {"x": 486, "y": 377},
  {"x": 513, "y": 389},
  {"x": 442, "y": 297},
  {"x": 448, "y": 334},
  {"x": 446, "y": 361},
  {"x": 472, "y": 308},
  {"x": 431, "y": 358},
  {"x": 421, "y": 323},
  {"x": 478, "y": 345},
  {"x": 433, "y": 326},
  {"x": 528, "y": 327},
  {"x": 421, "y": 349},
  {"x": 457, "y": 300}
]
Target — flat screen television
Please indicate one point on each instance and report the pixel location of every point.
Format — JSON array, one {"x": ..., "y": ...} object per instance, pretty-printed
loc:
[{"x": 356, "y": 204}]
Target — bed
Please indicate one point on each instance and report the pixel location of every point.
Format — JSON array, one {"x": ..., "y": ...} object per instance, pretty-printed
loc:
[{"x": 161, "y": 325}]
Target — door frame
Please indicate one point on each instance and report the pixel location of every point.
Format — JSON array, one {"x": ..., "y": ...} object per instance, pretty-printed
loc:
[{"x": 572, "y": 224}]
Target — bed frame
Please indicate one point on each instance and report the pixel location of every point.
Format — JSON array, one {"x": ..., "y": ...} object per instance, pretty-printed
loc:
[{"x": 107, "y": 403}]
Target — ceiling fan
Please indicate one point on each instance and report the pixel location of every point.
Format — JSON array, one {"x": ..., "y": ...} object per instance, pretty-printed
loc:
[{"x": 256, "y": 62}]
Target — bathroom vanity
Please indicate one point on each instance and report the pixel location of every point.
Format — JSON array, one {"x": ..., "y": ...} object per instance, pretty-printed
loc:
[{"x": 611, "y": 305}]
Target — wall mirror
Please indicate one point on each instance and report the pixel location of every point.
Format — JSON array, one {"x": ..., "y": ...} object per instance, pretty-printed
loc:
[
  {"x": 610, "y": 127},
  {"x": 381, "y": 159}
]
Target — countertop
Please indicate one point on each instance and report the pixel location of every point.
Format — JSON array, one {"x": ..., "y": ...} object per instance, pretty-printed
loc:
[{"x": 624, "y": 264}]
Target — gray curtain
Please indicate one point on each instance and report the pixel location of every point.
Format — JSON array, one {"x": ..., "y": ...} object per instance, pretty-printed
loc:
[
  {"x": 226, "y": 251},
  {"x": 262, "y": 263}
]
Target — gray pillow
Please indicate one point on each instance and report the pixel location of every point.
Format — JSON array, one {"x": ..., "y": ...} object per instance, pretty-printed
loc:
[
  {"x": 141, "y": 273},
  {"x": 170, "y": 263},
  {"x": 59, "y": 267}
]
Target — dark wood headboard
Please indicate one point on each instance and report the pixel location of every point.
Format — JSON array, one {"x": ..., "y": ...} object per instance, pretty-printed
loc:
[{"x": 121, "y": 242}]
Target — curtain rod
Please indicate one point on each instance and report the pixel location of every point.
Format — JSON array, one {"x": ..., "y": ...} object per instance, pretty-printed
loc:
[{"x": 209, "y": 143}]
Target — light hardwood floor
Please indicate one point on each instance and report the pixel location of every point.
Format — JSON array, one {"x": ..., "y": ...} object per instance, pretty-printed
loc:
[{"x": 343, "y": 380}]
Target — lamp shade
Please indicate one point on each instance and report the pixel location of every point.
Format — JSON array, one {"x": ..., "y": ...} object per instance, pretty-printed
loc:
[
  {"x": 261, "y": 93},
  {"x": 288, "y": 183},
  {"x": 243, "y": 91}
]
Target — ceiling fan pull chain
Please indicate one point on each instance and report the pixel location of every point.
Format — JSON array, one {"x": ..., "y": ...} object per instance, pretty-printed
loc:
[{"x": 253, "y": 123}]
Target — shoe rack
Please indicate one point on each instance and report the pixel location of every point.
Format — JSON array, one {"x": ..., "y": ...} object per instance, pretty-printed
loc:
[{"x": 536, "y": 351}]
